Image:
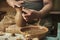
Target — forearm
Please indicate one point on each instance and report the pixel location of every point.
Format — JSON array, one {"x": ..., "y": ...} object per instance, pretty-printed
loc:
[{"x": 46, "y": 9}]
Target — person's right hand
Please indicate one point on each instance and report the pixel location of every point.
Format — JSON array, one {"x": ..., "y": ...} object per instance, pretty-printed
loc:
[{"x": 14, "y": 3}]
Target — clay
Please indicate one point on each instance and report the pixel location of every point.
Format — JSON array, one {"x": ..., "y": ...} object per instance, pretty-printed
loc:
[
  {"x": 6, "y": 22},
  {"x": 35, "y": 31},
  {"x": 13, "y": 29},
  {"x": 18, "y": 17}
]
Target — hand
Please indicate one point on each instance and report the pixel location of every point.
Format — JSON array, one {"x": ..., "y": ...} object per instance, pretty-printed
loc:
[
  {"x": 30, "y": 14},
  {"x": 14, "y": 3}
]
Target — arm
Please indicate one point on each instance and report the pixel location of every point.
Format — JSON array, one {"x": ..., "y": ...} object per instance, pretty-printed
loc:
[
  {"x": 47, "y": 6},
  {"x": 14, "y": 3}
]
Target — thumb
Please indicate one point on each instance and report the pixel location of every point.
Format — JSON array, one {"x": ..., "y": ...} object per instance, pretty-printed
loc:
[{"x": 27, "y": 12}]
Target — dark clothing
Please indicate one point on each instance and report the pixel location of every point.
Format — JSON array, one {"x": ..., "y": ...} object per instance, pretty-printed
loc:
[{"x": 36, "y": 5}]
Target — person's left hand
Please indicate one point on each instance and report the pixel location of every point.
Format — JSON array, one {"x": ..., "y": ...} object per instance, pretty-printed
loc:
[
  {"x": 30, "y": 14},
  {"x": 14, "y": 3}
]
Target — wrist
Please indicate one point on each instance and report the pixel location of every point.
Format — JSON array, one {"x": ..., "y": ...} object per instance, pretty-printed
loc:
[{"x": 40, "y": 14}]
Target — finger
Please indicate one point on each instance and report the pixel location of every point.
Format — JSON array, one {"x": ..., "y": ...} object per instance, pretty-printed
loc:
[
  {"x": 28, "y": 12},
  {"x": 17, "y": 5},
  {"x": 24, "y": 17},
  {"x": 20, "y": 2},
  {"x": 25, "y": 10}
]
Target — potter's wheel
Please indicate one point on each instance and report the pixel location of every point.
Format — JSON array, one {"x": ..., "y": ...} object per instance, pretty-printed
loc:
[{"x": 32, "y": 31}]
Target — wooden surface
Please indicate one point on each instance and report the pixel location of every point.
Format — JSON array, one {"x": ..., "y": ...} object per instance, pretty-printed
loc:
[{"x": 55, "y": 12}]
